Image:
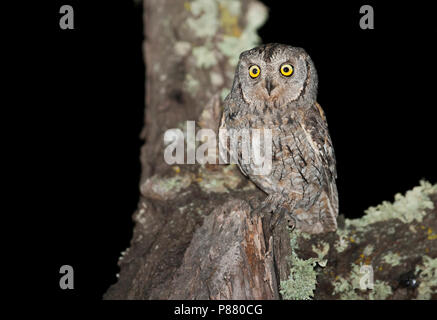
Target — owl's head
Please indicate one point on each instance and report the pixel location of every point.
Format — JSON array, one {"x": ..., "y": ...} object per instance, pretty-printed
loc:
[{"x": 276, "y": 74}]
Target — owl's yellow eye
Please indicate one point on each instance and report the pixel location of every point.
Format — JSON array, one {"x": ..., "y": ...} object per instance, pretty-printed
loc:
[
  {"x": 254, "y": 71},
  {"x": 287, "y": 69}
]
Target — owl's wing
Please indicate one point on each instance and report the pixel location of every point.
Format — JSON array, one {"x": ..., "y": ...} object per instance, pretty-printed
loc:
[
  {"x": 317, "y": 127},
  {"x": 224, "y": 145}
]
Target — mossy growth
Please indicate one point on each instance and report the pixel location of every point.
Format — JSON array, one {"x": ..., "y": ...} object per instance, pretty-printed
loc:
[
  {"x": 412, "y": 206},
  {"x": 407, "y": 208},
  {"x": 210, "y": 20},
  {"x": 302, "y": 280},
  {"x": 428, "y": 278},
  {"x": 321, "y": 253},
  {"x": 392, "y": 259},
  {"x": 204, "y": 22},
  {"x": 222, "y": 180},
  {"x": 341, "y": 244},
  {"x": 368, "y": 250},
  {"x": 204, "y": 56},
  {"x": 349, "y": 287},
  {"x": 165, "y": 188}
]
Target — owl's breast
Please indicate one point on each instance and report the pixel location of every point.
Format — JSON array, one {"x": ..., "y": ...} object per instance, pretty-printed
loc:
[{"x": 294, "y": 162}]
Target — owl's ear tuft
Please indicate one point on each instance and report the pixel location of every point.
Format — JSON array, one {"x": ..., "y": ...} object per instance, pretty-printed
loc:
[{"x": 244, "y": 53}]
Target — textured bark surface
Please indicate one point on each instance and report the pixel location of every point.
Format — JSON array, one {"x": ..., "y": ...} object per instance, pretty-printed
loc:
[{"x": 194, "y": 237}]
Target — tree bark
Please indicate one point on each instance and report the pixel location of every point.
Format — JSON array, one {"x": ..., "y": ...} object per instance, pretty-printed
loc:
[{"x": 194, "y": 235}]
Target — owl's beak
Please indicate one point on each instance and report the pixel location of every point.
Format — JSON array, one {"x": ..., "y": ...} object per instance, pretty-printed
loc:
[{"x": 269, "y": 85}]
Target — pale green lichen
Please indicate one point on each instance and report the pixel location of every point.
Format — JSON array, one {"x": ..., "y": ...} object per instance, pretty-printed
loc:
[
  {"x": 219, "y": 181},
  {"x": 229, "y": 14},
  {"x": 233, "y": 44},
  {"x": 368, "y": 250},
  {"x": 345, "y": 289},
  {"x": 191, "y": 84},
  {"x": 182, "y": 48},
  {"x": 346, "y": 236},
  {"x": 156, "y": 67},
  {"x": 380, "y": 291},
  {"x": 304, "y": 235},
  {"x": 407, "y": 208},
  {"x": 210, "y": 16},
  {"x": 321, "y": 253},
  {"x": 233, "y": 6},
  {"x": 219, "y": 23},
  {"x": 224, "y": 93},
  {"x": 182, "y": 209},
  {"x": 302, "y": 280},
  {"x": 256, "y": 15},
  {"x": 391, "y": 230},
  {"x": 205, "y": 22},
  {"x": 216, "y": 79},
  {"x": 428, "y": 278},
  {"x": 341, "y": 244},
  {"x": 349, "y": 288},
  {"x": 346, "y": 286},
  {"x": 165, "y": 188},
  {"x": 204, "y": 57},
  {"x": 171, "y": 185},
  {"x": 392, "y": 259}
]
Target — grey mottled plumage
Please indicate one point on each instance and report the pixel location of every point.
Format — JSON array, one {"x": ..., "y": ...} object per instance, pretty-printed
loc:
[{"x": 302, "y": 180}]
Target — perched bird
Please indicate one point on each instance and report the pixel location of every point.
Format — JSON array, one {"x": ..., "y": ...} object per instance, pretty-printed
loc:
[{"x": 275, "y": 87}]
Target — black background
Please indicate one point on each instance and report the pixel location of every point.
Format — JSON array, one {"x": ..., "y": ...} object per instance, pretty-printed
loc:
[{"x": 376, "y": 87}]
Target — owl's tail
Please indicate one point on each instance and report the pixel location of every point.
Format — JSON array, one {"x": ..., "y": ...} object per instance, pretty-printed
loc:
[{"x": 319, "y": 218}]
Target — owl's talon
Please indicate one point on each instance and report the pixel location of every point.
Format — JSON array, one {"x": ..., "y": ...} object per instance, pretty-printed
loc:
[
  {"x": 254, "y": 203},
  {"x": 256, "y": 213},
  {"x": 276, "y": 218}
]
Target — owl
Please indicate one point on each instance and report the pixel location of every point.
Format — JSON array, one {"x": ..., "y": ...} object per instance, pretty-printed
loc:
[{"x": 275, "y": 87}]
